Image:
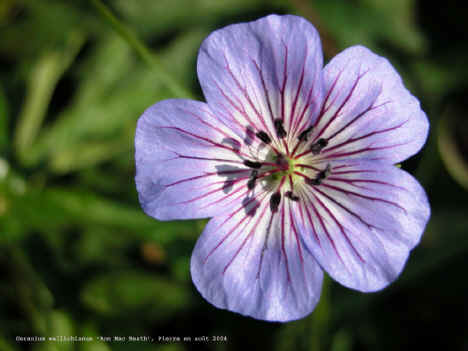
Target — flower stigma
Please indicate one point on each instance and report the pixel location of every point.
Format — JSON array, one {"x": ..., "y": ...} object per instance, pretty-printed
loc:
[{"x": 287, "y": 165}]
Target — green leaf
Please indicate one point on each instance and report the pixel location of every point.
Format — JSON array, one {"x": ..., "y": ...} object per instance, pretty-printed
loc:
[
  {"x": 398, "y": 23},
  {"x": 42, "y": 81},
  {"x": 6, "y": 345},
  {"x": 160, "y": 17},
  {"x": 308, "y": 333},
  {"x": 132, "y": 292},
  {"x": 89, "y": 329},
  {"x": 100, "y": 124},
  {"x": 451, "y": 127},
  {"x": 4, "y": 121},
  {"x": 370, "y": 21}
]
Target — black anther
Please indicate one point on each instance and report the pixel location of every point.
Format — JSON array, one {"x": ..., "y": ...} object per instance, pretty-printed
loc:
[
  {"x": 318, "y": 146},
  {"x": 263, "y": 137},
  {"x": 319, "y": 177},
  {"x": 280, "y": 132},
  {"x": 323, "y": 174},
  {"x": 252, "y": 164},
  {"x": 313, "y": 181},
  {"x": 291, "y": 196},
  {"x": 305, "y": 134},
  {"x": 275, "y": 200},
  {"x": 252, "y": 180}
]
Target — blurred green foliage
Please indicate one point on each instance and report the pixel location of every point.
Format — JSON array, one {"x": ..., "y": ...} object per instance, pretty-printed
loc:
[{"x": 79, "y": 257}]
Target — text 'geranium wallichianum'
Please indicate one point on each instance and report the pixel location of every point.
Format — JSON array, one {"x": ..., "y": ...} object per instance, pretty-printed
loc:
[{"x": 295, "y": 163}]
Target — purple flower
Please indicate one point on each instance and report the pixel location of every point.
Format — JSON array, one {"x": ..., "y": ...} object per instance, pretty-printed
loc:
[{"x": 294, "y": 162}]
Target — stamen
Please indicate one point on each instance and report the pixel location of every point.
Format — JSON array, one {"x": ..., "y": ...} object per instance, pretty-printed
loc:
[
  {"x": 252, "y": 164},
  {"x": 318, "y": 146},
  {"x": 319, "y": 177},
  {"x": 313, "y": 181},
  {"x": 263, "y": 137},
  {"x": 280, "y": 132},
  {"x": 252, "y": 180},
  {"x": 305, "y": 134},
  {"x": 323, "y": 174},
  {"x": 275, "y": 200},
  {"x": 290, "y": 195}
]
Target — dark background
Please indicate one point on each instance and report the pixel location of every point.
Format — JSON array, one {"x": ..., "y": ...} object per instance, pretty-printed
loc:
[{"x": 78, "y": 256}]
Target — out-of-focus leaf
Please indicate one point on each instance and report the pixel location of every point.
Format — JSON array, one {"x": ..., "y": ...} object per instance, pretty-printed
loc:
[
  {"x": 42, "y": 82},
  {"x": 308, "y": 333},
  {"x": 28, "y": 292},
  {"x": 6, "y": 7},
  {"x": 89, "y": 329},
  {"x": 24, "y": 209},
  {"x": 101, "y": 125},
  {"x": 4, "y": 121},
  {"x": 164, "y": 16},
  {"x": 369, "y": 22},
  {"x": 132, "y": 292},
  {"x": 146, "y": 346},
  {"x": 94, "y": 346},
  {"x": 6, "y": 345},
  {"x": 341, "y": 341},
  {"x": 439, "y": 79},
  {"x": 59, "y": 325},
  {"x": 41, "y": 23},
  {"x": 451, "y": 128},
  {"x": 12, "y": 189},
  {"x": 98, "y": 244},
  {"x": 398, "y": 23},
  {"x": 101, "y": 122},
  {"x": 180, "y": 58},
  {"x": 445, "y": 239},
  {"x": 82, "y": 206},
  {"x": 181, "y": 268}
]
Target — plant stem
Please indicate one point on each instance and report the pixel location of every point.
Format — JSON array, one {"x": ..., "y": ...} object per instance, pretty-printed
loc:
[{"x": 145, "y": 54}]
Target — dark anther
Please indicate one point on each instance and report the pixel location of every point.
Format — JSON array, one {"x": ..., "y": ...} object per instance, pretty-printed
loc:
[
  {"x": 275, "y": 200},
  {"x": 305, "y": 134},
  {"x": 319, "y": 177},
  {"x": 263, "y": 137},
  {"x": 280, "y": 132},
  {"x": 313, "y": 181},
  {"x": 252, "y": 180},
  {"x": 252, "y": 164},
  {"x": 290, "y": 195},
  {"x": 318, "y": 146}
]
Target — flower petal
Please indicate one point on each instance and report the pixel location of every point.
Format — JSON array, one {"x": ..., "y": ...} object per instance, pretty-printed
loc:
[
  {"x": 367, "y": 112},
  {"x": 253, "y": 262},
  {"x": 253, "y": 73},
  {"x": 362, "y": 221},
  {"x": 188, "y": 165}
]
